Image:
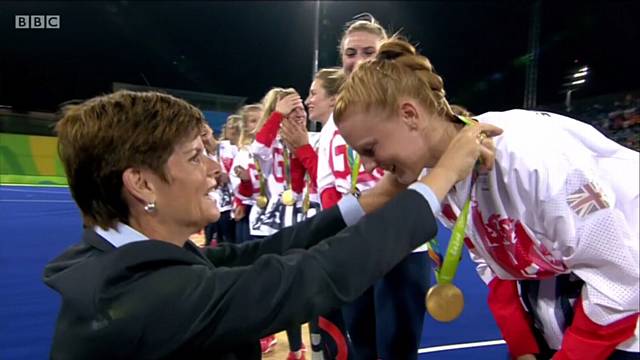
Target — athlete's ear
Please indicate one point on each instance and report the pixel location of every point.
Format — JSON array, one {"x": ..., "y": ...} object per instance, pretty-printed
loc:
[{"x": 409, "y": 114}]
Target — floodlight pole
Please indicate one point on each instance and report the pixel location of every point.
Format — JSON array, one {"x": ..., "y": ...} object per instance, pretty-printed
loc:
[
  {"x": 531, "y": 79},
  {"x": 316, "y": 40},
  {"x": 316, "y": 51}
]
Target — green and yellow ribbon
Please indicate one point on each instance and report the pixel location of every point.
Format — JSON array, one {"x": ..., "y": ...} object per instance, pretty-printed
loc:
[{"x": 354, "y": 164}]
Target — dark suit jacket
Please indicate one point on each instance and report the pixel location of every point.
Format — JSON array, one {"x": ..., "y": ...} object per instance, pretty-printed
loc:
[{"x": 151, "y": 299}]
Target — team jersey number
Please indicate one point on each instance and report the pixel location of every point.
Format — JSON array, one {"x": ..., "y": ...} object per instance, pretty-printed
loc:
[
  {"x": 342, "y": 170},
  {"x": 255, "y": 178},
  {"x": 278, "y": 165}
]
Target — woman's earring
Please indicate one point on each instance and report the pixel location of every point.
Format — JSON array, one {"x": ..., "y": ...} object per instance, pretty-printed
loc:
[{"x": 150, "y": 207}]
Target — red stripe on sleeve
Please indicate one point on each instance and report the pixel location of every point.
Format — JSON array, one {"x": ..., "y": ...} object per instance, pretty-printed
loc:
[
  {"x": 269, "y": 130},
  {"x": 587, "y": 340},
  {"x": 513, "y": 320},
  {"x": 309, "y": 159},
  {"x": 330, "y": 197}
]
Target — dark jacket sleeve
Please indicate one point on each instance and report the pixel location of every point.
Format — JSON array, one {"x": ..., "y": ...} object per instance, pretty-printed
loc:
[
  {"x": 301, "y": 236},
  {"x": 227, "y": 306}
]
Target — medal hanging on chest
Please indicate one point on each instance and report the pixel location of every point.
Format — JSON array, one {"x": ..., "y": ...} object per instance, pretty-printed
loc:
[
  {"x": 287, "y": 196},
  {"x": 354, "y": 164},
  {"x": 445, "y": 301},
  {"x": 262, "y": 199}
]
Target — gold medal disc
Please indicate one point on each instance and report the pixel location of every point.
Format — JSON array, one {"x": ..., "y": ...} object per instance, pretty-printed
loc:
[
  {"x": 444, "y": 302},
  {"x": 288, "y": 198},
  {"x": 262, "y": 201}
]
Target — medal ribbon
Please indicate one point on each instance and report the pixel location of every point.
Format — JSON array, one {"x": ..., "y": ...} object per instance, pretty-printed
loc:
[
  {"x": 306, "y": 202},
  {"x": 287, "y": 167},
  {"x": 354, "y": 164},
  {"x": 445, "y": 270},
  {"x": 263, "y": 185}
]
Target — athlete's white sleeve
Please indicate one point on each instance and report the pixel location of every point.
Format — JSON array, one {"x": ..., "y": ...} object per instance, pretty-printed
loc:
[{"x": 325, "y": 179}]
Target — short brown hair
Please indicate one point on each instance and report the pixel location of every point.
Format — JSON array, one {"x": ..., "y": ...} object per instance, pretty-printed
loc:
[
  {"x": 103, "y": 136},
  {"x": 396, "y": 71}
]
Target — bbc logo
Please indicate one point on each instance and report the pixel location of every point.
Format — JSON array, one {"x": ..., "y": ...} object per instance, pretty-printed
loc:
[{"x": 37, "y": 21}]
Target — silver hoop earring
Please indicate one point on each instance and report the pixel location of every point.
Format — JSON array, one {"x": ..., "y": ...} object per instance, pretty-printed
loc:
[{"x": 150, "y": 207}]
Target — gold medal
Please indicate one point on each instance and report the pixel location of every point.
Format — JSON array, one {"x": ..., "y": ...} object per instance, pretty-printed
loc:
[
  {"x": 288, "y": 198},
  {"x": 444, "y": 302},
  {"x": 262, "y": 201}
]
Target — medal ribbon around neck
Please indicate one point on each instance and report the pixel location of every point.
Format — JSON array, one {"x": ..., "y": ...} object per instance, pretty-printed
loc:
[
  {"x": 306, "y": 202},
  {"x": 287, "y": 167},
  {"x": 445, "y": 301},
  {"x": 263, "y": 185},
  {"x": 445, "y": 270},
  {"x": 287, "y": 196},
  {"x": 354, "y": 164}
]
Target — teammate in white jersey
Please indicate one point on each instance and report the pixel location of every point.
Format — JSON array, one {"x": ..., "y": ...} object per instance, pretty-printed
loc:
[
  {"x": 226, "y": 151},
  {"x": 244, "y": 177},
  {"x": 285, "y": 172},
  {"x": 328, "y": 334},
  {"x": 387, "y": 320},
  {"x": 553, "y": 225},
  {"x": 286, "y": 175}
]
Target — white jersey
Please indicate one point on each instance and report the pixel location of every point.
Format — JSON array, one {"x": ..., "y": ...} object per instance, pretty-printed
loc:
[
  {"x": 272, "y": 162},
  {"x": 314, "y": 141},
  {"x": 562, "y": 198},
  {"x": 245, "y": 159},
  {"x": 325, "y": 178},
  {"x": 276, "y": 215},
  {"x": 333, "y": 163},
  {"x": 225, "y": 154}
]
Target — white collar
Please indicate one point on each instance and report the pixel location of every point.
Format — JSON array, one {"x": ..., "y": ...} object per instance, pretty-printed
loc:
[{"x": 123, "y": 234}]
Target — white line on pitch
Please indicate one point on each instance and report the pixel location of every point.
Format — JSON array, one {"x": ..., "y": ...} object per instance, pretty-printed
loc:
[{"x": 460, "y": 346}]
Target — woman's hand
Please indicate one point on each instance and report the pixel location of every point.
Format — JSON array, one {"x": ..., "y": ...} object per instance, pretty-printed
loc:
[
  {"x": 239, "y": 213},
  {"x": 386, "y": 189},
  {"x": 293, "y": 134},
  {"x": 285, "y": 105},
  {"x": 469, "y": 145}
]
